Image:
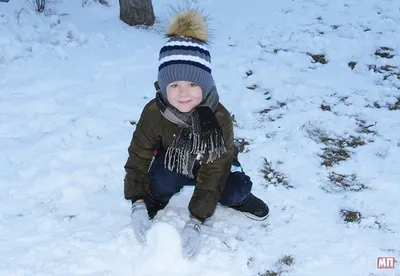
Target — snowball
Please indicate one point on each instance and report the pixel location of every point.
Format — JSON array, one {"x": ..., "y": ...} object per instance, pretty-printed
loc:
[
  {"x": 164, "y": 242},
  {"x": 162, "y": 254}
]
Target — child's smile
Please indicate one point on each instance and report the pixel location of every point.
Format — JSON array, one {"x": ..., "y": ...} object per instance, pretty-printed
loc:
[{"x": 184, "y": 102}]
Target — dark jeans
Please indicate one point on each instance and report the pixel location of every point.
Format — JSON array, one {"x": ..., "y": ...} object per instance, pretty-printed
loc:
[{"x": 164, "y": 184}]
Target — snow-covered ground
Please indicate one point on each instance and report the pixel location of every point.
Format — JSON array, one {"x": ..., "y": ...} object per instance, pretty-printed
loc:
[{"x": 73, "y": 80}]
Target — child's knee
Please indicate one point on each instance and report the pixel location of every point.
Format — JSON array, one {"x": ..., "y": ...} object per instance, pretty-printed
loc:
[{"x": 237, "y": 188}]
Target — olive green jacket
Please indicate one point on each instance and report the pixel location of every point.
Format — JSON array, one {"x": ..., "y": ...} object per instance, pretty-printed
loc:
[{"x": 211, "y": 178}]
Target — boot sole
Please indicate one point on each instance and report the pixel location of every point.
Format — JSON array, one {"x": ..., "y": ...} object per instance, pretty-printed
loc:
[{"x": 254, "y": 217}]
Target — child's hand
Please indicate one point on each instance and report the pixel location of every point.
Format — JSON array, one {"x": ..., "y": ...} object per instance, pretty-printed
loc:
[
  {"x": 140, "y": 221},
  {"x": 191, "y": 239}
]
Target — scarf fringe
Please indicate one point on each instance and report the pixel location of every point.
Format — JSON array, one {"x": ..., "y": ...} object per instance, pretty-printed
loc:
[{"x": 181, "y": 156}]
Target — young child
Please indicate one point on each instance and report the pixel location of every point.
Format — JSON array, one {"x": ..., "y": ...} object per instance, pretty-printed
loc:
[{"x": 185, "y": 137}]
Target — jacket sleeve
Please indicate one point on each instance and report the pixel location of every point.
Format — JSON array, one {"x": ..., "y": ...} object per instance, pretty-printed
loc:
[
  {"x": 137, "y": 182},
  {"x": 211, "y": 178}
]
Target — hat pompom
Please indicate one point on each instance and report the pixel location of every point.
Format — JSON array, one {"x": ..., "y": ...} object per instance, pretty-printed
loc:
[{"x": 188, "y": 23}]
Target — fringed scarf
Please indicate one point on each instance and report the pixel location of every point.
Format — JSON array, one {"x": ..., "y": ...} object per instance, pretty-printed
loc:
[{"x": 200, "y": 134}]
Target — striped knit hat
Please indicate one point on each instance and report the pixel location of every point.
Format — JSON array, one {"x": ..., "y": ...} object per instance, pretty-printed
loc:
[{"x": 185, "y": 56}]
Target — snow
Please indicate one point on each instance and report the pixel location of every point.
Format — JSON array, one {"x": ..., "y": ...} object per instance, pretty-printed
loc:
[{"x": 72, "y": 79}]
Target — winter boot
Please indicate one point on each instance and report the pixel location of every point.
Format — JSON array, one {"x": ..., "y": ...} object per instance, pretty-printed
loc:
[{"x": 253, "y": 207}]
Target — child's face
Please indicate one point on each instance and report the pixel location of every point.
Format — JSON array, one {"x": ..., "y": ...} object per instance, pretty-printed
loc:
[{"x": 184, "y": 95}]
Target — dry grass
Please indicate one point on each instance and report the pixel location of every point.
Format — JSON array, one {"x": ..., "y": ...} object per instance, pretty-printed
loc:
[
  {"x": 270, "y": 273},
  {"x": 352, "y": 64},
  {"x": 386, "y": 70},
  {"x": 287, "y": 260},
  {"x": 275, "y": 116},
  {"x": 252, "y": 87},
  {"x": 249, "y": 73},
  {"x": 377, "y": 105},
  {"x": 320, "y": 58},
  {"x": 241, "y": 144},
  {"x": 395, "y": 106},
  {"x": 325, "y": 107},
  {"x": 281, "y": 265},
  {"x": 384, "y": 52},
  {"x": 364, "y": 128},
  {"x": 350, "y": 216},
  {"x": 339, "y": 183},
  {"x": 234, "y": 122},
  {"x": 390, "y": 106},
  {"x": 277, "y": 50},
  {"x": 274, "y": 177},
  {"x": 337, "y": 149},
  {"x": 333, "y": 156},
  {"x": 277, "y": 106}
]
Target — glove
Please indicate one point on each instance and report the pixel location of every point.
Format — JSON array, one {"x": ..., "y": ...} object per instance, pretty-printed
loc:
[
  {"x": 140, "y": 221},
  {"x": 191, "y": 239}
]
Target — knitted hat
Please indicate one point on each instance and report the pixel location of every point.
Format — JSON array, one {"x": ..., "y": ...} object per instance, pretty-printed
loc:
[{"x": 185, "y": 56}]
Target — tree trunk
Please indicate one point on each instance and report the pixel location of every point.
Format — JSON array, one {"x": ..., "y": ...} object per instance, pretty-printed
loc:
[{"x": 136, "y": 12}]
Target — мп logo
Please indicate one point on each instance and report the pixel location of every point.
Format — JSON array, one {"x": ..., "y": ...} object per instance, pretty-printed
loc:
[{"x": 385, "y": 262}]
